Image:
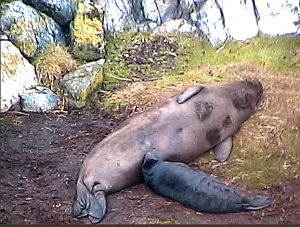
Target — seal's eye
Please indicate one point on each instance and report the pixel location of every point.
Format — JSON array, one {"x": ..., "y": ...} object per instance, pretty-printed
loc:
[{"x": 242, "y": 101}]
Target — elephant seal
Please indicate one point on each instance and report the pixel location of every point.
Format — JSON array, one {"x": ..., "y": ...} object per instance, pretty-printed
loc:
[
  {"x": 179, "y": 129},
  {"x": 195, "y": 189}
]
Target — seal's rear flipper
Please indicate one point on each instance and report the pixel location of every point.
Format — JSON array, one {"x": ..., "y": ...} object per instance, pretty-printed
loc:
[
  {"x": 89, "y": 205},
  {"x": 256, "y": 203}
]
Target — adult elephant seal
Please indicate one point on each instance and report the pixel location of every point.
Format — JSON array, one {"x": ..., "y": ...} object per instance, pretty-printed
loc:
[
  {"x": 179, "y": 129},
  {"x": 194, "y": 188}
]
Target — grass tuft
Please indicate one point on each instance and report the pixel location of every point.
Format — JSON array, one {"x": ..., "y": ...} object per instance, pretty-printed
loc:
[{"x": 52, "y": 63}]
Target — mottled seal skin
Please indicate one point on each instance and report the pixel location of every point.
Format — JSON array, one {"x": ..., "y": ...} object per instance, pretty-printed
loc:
[
  {"x": 195, "y": 189},
  {"x": 179, "y": 129}
]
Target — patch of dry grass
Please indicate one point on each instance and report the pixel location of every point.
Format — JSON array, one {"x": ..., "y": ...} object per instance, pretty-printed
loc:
[
  {"x": 266, "y": 149},
  {"x": 52, "y": 63}
]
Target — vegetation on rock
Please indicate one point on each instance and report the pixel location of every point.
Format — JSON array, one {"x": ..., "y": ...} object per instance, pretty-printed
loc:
[{"x": 87, "y": 34}]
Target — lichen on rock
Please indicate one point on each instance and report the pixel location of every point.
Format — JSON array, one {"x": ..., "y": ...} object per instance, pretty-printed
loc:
[
  {"x": 87, "y": 35},
  {"x": 81, "y": 83},
  {"x": 29, "y": 29}
]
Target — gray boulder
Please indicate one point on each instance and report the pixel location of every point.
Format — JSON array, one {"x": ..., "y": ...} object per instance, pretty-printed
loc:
[
  {"x": 280, "y": 17},
  {"x": 209, "y": 22},
  {"x": 17, "y": 75},
  {"x": 28, "y": 29},
  {"x": 40, "y": 99},
  {"x": 160, "y": 11},
  {"x": 118, "y": 14},
  {"x": 81, "y": 83},
  {"x": 62, "y": 11},
  {"x": 173, "y": 26},
  {"x": 239, "y": 19}
]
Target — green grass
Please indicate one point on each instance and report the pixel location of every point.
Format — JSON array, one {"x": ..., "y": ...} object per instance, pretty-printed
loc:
[
  {"x": 266, "y": 149},
  {"x": 278, "y": 53},
  {"x": 272, "y": 52}
]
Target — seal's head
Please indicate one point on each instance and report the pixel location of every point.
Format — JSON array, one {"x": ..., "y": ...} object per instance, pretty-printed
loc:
[{"x": 246, "y": 94}]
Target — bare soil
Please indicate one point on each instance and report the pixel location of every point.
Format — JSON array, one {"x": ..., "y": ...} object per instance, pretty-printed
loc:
[{"x": 41, "y": 155}]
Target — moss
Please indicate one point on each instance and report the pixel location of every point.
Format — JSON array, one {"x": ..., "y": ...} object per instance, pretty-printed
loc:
[
  {"x": 87, "y": 34},
  {"x": 85, "y": 94},
  {"x": 114, "y": 103},
  {"x": 24, "y": 37},
  {"x": 151, "y": 50}
]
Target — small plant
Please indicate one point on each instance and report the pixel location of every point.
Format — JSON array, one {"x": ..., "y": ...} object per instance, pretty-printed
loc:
[{"x": 52, "y": 63}]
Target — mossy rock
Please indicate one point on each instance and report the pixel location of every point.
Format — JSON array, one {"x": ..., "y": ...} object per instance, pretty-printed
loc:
[
  {"x": 79, "y": 85},
  {"x": 87, "y": 35}
]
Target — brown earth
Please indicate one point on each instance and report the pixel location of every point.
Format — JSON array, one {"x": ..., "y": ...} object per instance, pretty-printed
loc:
[{"x": 41, "y": 155}]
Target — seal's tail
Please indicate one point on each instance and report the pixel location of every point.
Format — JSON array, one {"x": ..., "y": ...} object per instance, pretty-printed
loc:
[
  {"x": 89, "y": 205},
  {"x": 256, "y": 203}
]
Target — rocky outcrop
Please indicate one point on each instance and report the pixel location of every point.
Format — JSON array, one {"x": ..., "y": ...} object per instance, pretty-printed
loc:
[
  {"x": 17, "y": 75},
  {"x": 216, "y": 20},
  {"x": 86, "y": 31},
  {"x": 209, "y": 22},
  {"x": 39, "y": 100},
  {"x": 81, "y": 83},
  {"x": 28, "y": 29},
  {"x": 278, "y": 17},
  {"x": 177, "y": 25},
  {"x": 239, "y": 19},
  {"x": 62, "y": 11}
]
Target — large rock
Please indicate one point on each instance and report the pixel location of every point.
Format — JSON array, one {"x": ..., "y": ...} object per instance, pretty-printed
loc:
[
  {"x": 28, "y": 29},
  {"x": 80, "y": 84},
  {"x": 209, "y": 22},
  {"x": 118, "y": 14},
  {"x": 62, "y": 11},
  {"x": 160, "y": 11},
  {"x": 17, "y": 75},
  {"x": 40, "y": 99},
  {"x": 142, "y": 14},
  {"x": 239, "y": 19},
  {"x": 173, "y": 26},
  {"x": 86, "y": 31},
  {"x": 278, "y": 17}
]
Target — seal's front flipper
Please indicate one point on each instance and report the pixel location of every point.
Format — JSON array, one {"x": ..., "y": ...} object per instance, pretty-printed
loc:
[
  {"x": 188, "y": 93},
  {"x": 223, "y": 149},
  {"x": 88, "y": 204}
]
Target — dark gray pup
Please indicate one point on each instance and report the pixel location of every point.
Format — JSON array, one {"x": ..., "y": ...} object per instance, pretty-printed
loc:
[
  {"x": 194, "y": 188},
  {"x": 180, "y": 129}
]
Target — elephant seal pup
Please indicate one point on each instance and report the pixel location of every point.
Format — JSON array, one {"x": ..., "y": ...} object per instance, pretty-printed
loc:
[
  {"x": 179, "y": 129},
  {"x": 194, "y": 188}
]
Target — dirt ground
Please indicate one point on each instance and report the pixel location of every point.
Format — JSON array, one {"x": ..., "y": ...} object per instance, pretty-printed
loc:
[{"x": 41, "y": 155}]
